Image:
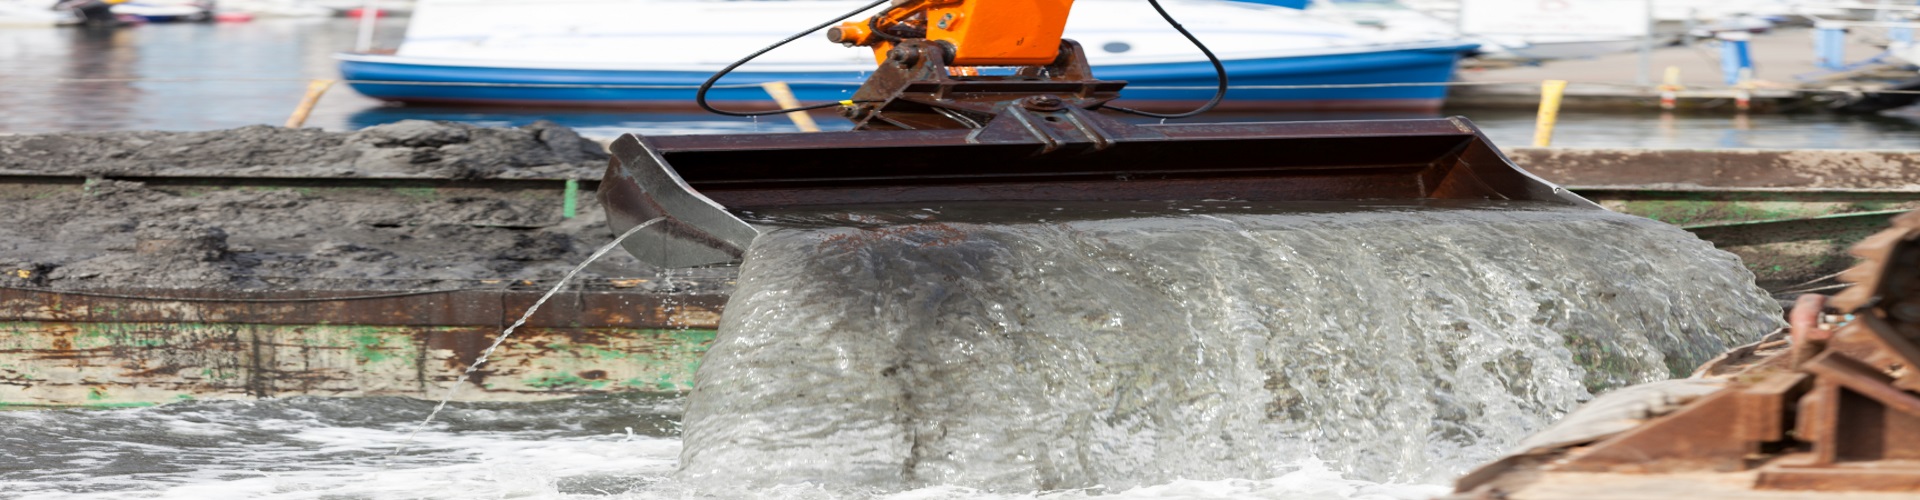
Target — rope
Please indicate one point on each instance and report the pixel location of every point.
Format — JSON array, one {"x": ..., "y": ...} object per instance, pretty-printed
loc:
[
  {"x": 1814, "y": 289},
  {"x": 1819, "y": 279}
]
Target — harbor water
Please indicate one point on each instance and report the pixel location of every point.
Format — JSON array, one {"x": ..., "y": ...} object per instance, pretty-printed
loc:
[{"x": 599, "y": 447}]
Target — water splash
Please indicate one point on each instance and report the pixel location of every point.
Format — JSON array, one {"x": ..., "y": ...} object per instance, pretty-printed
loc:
[
  {"x": 1122, "y": 346},
  {"x": 309, "y": 448},
  {"x": 461, "y": 381}
]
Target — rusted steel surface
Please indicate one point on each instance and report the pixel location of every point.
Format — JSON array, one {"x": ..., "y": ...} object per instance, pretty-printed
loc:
[
  {"x": 1829, "y": 409},
  {"x": 1787, "y": 252},
  {"x": 119, "y": 347},
  {"x": 476, "y": 307},
  {"x": 1728, "y": 168},
  {"x": 1789, "y": 214},
  {"x": 914, "y": 89}
]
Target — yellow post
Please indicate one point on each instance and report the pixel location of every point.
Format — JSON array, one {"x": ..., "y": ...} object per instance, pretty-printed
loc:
[
  {"x": 1670, "y": 91},
  {"x": 1550, "y": 92},
  {"x": 783, "y": 95},
  {"x": 315, "y": 89}
]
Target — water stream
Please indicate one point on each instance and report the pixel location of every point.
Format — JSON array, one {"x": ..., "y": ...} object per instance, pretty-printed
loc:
[{"x": 1114, "y": 347}]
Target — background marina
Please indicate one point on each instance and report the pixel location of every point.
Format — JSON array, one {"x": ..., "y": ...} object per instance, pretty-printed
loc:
[{"x": 165, "y": 76}]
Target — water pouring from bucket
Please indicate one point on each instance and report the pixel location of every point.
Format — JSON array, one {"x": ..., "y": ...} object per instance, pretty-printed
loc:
[{"x": 1211, "y": 300}]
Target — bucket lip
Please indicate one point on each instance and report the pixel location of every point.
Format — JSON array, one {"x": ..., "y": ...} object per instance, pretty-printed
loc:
[
  {"x": 698, "y": 183},
  {"x": 732, "y": 172},
  {"x": 678, "y": 143}
]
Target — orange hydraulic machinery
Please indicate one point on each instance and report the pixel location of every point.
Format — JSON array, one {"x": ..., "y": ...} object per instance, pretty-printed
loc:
[
  {"x": 975, "y": 32},
  {"x": 983, "y": 101}
]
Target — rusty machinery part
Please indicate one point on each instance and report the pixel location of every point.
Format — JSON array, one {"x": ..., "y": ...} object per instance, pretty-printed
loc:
[
  {"x": 1834, "y": 410},
  {"x": 967, "y": 34},
  {"x": 994, "y": 33},
  {"x": 917, "y": 90}
]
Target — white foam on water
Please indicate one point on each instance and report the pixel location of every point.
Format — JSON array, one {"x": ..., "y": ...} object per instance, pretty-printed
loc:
[{"x": 292, "y": 451}]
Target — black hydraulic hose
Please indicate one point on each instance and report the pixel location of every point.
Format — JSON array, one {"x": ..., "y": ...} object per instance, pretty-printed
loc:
[
  {"x": 1219, "y": 70},
  {"x": 700, "y": 97},
  {"x": 873, "y": 23}
]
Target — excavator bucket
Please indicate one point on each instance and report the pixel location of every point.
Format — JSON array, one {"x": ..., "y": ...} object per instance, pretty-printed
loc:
[
  {"x": 927, "y": 132},
  {"x": 1038, "y": 153}
]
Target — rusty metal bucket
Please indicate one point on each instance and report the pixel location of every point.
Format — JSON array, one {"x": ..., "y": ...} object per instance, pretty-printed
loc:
[{"x": 1069, "y": 154}]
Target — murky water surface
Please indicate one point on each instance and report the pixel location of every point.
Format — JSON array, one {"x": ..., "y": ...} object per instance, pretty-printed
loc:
[
  {"x": 612, "y": 447},
  {"x": 316, "y": 448},
  {"x": 201, "y": 77}
]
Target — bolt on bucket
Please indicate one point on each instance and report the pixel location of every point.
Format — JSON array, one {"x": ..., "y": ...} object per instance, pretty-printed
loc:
[{"x": 1070, "y": 154}]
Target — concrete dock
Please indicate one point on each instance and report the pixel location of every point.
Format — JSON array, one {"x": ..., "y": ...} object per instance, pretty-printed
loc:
[{"x": 1783, "y": 66}]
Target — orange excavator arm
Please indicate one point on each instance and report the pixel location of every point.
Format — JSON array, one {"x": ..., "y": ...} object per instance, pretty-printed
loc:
[
  {"x": 928, "y": 127},
  {"x": 976, "y": 32}
]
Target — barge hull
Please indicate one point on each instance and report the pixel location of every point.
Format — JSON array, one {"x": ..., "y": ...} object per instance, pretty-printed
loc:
[{"x": 108, "y": 348}]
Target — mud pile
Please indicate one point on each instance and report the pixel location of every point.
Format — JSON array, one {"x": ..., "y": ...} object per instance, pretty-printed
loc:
[
  {"x": 410, "y": 148},
  {"x": 124, "y": 234}
]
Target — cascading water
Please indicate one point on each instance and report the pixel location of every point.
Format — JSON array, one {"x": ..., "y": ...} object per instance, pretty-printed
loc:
[{"x": 1054, "y": 347}]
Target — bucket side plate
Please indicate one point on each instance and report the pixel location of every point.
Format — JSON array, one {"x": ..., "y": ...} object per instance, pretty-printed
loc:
[{"x": 639, "y": 186}]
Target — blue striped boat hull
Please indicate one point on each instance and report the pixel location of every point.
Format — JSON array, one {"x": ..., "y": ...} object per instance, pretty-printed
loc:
[{"x": 1165, "y": 86}]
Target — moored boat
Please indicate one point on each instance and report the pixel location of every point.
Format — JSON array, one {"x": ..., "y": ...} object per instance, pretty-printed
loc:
[
  {"x": 163, "y": 11},
  {"x": 609, "y": 54},
  {"x": 386, "y": 7},
  {"x": 1398, "y": 17},
  {"x": 276, "y": 8}
]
